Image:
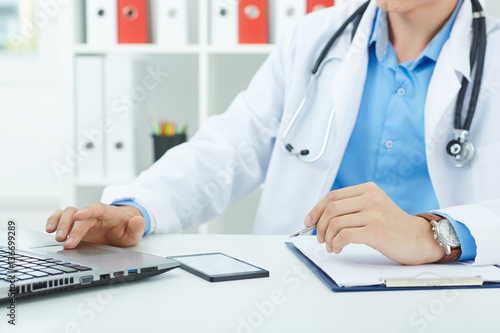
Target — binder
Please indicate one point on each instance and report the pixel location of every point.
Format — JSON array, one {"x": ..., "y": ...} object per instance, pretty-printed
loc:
[
  {"x": 313, "y": 5},
  {"x": 121, "y": 102},
  {"x": 253, "y": 25},
  {"x": 170, "y": 24},
  {"x": 409, "y": 283},
  {"x": 89, "y": 115},
  {"x": 288, "y": 12},
  {"x": 101, "y": 22},
  {"x": 223, "y": 23},
  {"x": 132, "y": 21}
]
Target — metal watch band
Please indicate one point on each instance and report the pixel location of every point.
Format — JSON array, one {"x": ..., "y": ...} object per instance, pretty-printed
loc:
[{"x": 455, "y": 252}]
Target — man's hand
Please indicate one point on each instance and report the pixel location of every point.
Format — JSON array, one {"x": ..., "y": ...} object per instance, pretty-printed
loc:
[
  {"x": 364, "y": 214},
  {"x": 97, "y": 223}
]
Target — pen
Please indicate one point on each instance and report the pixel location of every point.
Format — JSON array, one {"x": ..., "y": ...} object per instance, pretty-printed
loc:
[
  {"x": 156, "y": 128},
  {"x": 153, "y": 132},
  {"x": 184, "y": 129},
  {"x": 303, "y": 230},
  {"x": 170, "y": 129},
  {"x": 163, "y": 128}
]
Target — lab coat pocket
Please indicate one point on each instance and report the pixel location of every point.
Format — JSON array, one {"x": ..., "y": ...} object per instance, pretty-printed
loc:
[{"x": 485, "y": 171}]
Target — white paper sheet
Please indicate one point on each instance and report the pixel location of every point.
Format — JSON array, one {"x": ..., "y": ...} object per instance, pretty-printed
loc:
[{"x": 360, "y": 265}]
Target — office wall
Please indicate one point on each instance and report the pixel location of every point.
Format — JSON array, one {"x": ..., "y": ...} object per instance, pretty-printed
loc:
[
  {"x": 492, "y": 7},
  {"x": 34, "y": 121}
]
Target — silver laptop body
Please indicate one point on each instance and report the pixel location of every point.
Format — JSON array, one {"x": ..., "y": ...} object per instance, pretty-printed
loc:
[{"x": 39, "y": 265}]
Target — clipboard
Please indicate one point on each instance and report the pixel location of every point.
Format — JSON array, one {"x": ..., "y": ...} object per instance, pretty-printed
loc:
[{"x": 410, "y": 283}]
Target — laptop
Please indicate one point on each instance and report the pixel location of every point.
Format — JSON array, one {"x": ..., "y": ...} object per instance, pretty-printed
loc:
[{"x": 40, "y": 265}]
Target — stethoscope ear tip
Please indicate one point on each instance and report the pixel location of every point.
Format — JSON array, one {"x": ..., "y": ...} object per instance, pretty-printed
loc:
[{"x": 290, "y": 149}]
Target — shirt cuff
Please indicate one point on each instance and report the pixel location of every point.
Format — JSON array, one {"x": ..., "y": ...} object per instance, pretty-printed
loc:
[
  {"x": 467, "y": 241},
  {"x": 139, "y": 207}
]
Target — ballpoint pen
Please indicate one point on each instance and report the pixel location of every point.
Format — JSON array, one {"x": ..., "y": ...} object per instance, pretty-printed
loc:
[
  {"x": 303, "y": 230},
  {"x": 156, "y": 128}
]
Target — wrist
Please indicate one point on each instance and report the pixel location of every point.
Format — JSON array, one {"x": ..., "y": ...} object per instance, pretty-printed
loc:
[
  {"x": 132, "y": 211},
  {"x": 445, "y": 235},
  {"x": 433, "y": 251}
]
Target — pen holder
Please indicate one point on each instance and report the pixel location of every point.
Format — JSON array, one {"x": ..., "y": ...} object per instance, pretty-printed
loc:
[{"x": 164, "y": 143}]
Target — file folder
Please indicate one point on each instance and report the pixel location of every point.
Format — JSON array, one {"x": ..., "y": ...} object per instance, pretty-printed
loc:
[
  {"x": 122, "y": 97},
  {"x": 313, "y": 5},
  {"x": 170, "y": 24},
  {"x": 394, "y": 283},
  {"x": 288, "y": 12},
  {"x": 101, "y": 22},
  {"x": 132, "y": 21},
  {"x": 223, "y": 23},
  {"x": 89, "y": 101},
  {"x": 253, "y": 22}
]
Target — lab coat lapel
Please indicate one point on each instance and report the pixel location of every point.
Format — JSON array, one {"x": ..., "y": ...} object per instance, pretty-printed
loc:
[
  {"x": 451, "y": 66},
  {"x": 347, "y": 89},
  {"x": 348, "y": 84}
]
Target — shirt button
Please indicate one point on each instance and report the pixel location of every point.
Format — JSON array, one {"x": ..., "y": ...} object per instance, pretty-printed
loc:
[
  {"x": 401, "y": 91},
  {"x": 389, "y": 144}
]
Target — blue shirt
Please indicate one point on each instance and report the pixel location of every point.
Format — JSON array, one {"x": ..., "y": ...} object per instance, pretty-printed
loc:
[{"x": 387, "y": 145}]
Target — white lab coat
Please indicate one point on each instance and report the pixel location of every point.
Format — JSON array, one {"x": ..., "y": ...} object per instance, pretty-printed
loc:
[{"x": 234, "y": 153}]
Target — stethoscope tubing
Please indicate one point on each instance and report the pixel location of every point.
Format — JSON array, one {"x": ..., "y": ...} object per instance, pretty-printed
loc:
[
  {"x": 296, "y": 115},
  {"x": 477, "y": 59},
  {"x": 318, "y": 66}
]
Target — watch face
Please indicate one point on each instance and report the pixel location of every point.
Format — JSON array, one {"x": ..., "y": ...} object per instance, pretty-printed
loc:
[{"x": 447, "y": 233}]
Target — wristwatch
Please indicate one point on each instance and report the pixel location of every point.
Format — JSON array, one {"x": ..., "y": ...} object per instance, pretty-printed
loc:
[{"x": 446, "y": 236}]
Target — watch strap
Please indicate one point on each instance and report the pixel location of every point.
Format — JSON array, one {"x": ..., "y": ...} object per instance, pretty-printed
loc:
[{"x": 455, "y": 252}]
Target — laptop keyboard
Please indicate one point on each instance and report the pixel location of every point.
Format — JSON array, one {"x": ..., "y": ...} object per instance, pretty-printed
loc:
[{"x": 28, "y": 267}]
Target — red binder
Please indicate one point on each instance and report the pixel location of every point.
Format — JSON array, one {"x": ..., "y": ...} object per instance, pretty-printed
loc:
[
  {"x": 253, "y": 22},
  {"x": 313, "y": 5},
  {"x": 132, "y": 21}
]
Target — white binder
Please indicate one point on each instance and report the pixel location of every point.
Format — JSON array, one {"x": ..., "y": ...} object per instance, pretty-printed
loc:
[
  {"x": 89, "y": 115},
  {"x": 102, "y": 25},
  {"x": 120, "y": 105},
  {"x": 341, "y": 2},
  {"x": 170, "y": 22},
  {"x": 288, "y": 12},
  {"x": 223, "y": 22}
]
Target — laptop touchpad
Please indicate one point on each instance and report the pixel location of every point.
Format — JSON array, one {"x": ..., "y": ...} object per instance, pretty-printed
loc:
[{"x": 82, "y": 251}]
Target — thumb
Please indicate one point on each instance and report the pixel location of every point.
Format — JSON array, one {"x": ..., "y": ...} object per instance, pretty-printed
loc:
[{"x": 135, "y": 228}]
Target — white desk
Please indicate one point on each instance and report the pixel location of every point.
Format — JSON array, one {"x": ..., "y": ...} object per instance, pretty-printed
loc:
[{"x": 292, "y": 299}]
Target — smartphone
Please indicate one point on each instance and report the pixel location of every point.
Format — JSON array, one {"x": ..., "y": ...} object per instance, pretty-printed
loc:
[{"x": 217, "y": 267}]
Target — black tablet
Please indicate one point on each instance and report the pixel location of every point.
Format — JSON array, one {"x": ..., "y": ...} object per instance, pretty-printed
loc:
[{"x": 216, "y": 267}]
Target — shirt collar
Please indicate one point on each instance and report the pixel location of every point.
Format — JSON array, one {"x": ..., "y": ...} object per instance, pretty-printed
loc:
[{"x": 380, "y": 37}]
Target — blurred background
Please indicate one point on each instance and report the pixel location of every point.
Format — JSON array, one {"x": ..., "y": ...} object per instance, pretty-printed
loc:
[{"x": 85, "y": 86}]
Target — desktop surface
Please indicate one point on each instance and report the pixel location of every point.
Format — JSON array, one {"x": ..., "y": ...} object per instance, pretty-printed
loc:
[{"x": 292, "y": 299}]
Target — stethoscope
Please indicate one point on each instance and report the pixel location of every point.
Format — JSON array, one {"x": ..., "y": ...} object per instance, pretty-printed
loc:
[{"x": 460, "y": 151}]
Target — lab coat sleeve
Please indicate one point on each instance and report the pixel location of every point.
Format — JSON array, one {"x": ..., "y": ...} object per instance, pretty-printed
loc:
[
  {"x": 483, "y": 221},
  {"x": 223, "y": 162}
]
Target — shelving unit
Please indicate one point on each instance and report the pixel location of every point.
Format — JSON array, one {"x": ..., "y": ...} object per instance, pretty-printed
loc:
[{"x": 203, "y": 79}]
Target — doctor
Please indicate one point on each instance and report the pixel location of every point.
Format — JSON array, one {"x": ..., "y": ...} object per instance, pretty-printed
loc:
[{"x": 366, "y": 152}]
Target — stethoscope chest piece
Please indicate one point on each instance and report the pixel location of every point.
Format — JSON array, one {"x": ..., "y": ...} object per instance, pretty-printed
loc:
[
  {"x": 460, "y": 154},
  {"x": 460, "y": 151}
]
